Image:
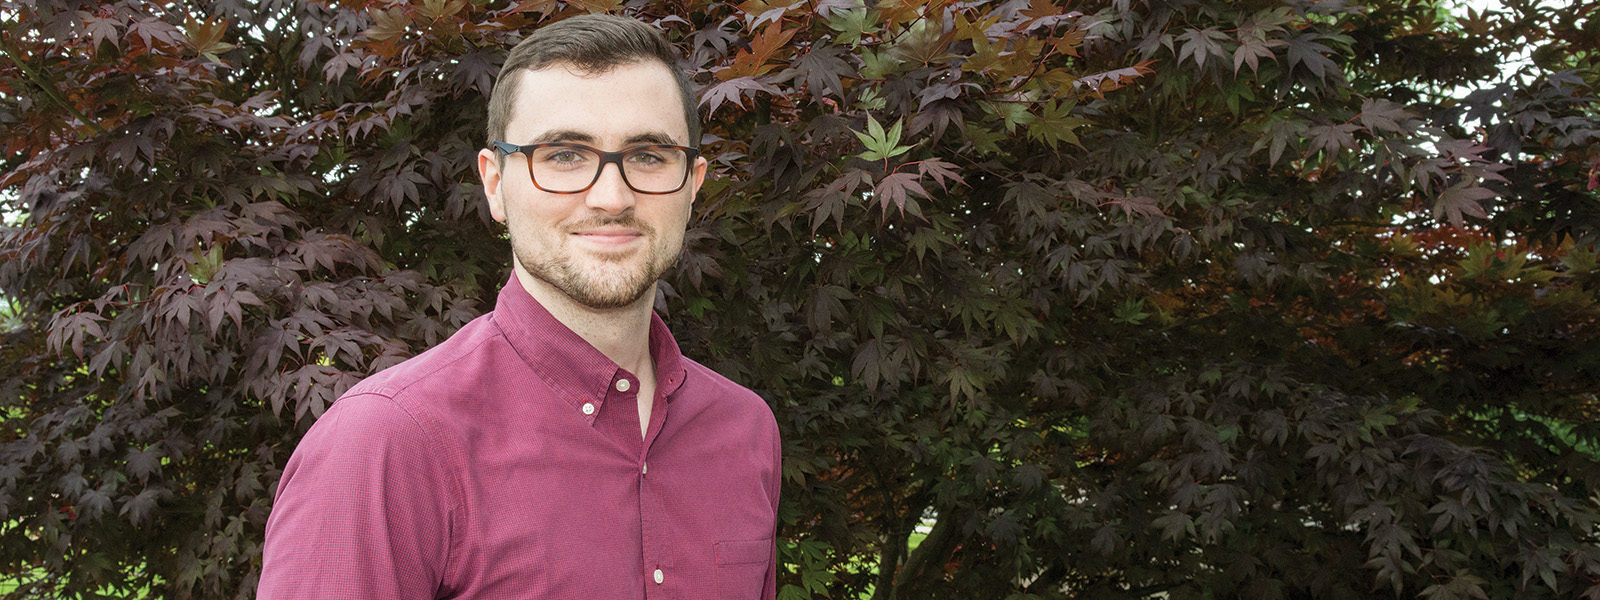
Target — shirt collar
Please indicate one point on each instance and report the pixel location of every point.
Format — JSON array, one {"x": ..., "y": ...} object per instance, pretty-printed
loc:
[{"x": 576, "y": 370}]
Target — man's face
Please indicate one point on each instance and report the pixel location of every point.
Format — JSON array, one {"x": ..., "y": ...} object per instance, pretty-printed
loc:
[{"x": 605, "y": 247}]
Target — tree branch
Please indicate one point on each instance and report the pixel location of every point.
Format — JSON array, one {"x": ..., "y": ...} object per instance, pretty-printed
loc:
[{"x": 49, "y": 90}]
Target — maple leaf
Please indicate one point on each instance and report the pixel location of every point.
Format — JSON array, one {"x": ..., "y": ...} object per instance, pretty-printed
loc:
[
  {"x": 335, "y": 68},
  {"x": 928, "y": 238},
  {"x": 986, "y": 56},
  {"x": 898, "y": 188},
  {"x": 924, "y": 42},
  {"x": 206, "y": 38},
  {"x": 771, "y": 40},
  {"x": 543, "y": 7},
  {"x": 1106, "y": 81},
  {"x": 1331, "y": 139},
  {"x": 68, "y": 330},
  {"x": 144, "y": 463},
  {"x": 1141, "y": 205},
  {"x": 864, "y": 367},
  {"x": 1461, "y": 200},
  {"x": 733, "y": 91},
  {"x": 1201, "y": 43},
  {"x": 821, "y": 70},
  {"x": 102, "y": 30},
  {"x": 829, "y": 201},
  {"x": 1476, "y": 22},
  {"x": 1252, "y": 51},
  {"x": 1106, "y": 541},
  {"x": 852, "y": 24},
  {"x": 476, "y": 71},
  {"x": 154, "y": 30},
  {"x": 1304, "y": 50},
  {"x": 598, "y": 6},
  {"x": 1055, "y": 124},
  {"x": 1069, "y": 42},
  {"x": 1458, "y": 148},
  {"x": 825, "y": 306},
  {"x": 432, "y": 10},
  {"x": 1040, "y": 9},
  {"x": 1379, "y": 114},
  {"x": 938, "y": 117},
  {"x": 948, "y": 90},
  {"x": 1279, "y": 135},
  {"x": 139, "y": 509},
  {"x": 765, "y": 11},
  {"x": 713, "y": 37},
  {"x": 881, "y": 145},
  {"x": 756, "y": 60},
  {"x": 974, "y": 31},
  {"x": 388, "y": 24},
  {"x": 93, "y": 503},
  {"x": 941, "y": 172}
]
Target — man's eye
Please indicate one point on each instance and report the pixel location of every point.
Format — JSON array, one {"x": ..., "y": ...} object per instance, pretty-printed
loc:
[
  {"x": 647, "y": 157},
  {"x": 564, "y": 156}
]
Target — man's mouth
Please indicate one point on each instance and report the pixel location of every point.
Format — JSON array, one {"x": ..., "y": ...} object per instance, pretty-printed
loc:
[{"x": 609, "y": 236}]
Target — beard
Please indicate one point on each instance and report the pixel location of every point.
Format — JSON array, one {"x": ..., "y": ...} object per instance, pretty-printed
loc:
[{"x": 599, "y": 281}]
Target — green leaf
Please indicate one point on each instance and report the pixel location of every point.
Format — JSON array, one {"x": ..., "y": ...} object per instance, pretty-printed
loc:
[
  {"x": 1055, "y": 125},
  {"x": 853, "y": 24},
  {"x": 1131, "y": 311},
  {"x": 881, "y": 145}
]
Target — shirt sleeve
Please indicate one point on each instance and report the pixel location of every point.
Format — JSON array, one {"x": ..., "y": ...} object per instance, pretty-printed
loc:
[
  {"x": 363, "y": 510},
  {"x": 769, "y": 590}
]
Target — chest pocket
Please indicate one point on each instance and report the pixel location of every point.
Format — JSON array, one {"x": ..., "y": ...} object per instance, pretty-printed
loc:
[{"x": 742, "y": 568}]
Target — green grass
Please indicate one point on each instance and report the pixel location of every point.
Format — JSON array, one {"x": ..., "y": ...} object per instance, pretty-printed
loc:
[{"x": 10, "y": 584}]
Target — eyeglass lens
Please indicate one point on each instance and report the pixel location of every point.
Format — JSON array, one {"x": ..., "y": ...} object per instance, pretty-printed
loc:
[{"x": 647, "y": 169}]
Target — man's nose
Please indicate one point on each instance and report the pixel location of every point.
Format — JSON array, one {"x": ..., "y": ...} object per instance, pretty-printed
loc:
[{"x": 610, "y": 192}]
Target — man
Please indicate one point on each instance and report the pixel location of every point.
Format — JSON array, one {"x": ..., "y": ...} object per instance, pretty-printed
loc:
[{"x": 559, "y": 446}]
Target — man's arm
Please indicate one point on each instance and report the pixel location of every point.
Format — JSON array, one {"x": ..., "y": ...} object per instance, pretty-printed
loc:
[
  {"x": 769, "y": 590},
  {"x": 363, "y": 509}
]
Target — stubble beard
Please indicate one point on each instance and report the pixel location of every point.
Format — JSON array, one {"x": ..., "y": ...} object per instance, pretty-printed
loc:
[{"x": 606, "y": 282}]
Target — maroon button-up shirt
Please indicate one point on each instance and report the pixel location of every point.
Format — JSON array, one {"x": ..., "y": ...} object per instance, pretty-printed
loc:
[{"x": 507, "y": 463}]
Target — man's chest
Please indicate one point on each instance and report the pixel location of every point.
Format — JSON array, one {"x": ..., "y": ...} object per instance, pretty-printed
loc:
[{"x": 563, "y": 508}]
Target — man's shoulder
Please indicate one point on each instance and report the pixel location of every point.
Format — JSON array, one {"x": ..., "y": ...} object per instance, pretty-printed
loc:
[
  {"x": 455, "y": 363},
  {"x": 723, "y": 392},
  {"x": 716, "y": 382}
]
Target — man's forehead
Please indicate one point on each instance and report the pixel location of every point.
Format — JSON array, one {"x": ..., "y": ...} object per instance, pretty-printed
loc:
[{"x": 639, "y": 100}]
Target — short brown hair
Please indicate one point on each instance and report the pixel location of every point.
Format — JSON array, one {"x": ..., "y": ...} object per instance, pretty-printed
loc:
[{"x": 592, "y": 44}]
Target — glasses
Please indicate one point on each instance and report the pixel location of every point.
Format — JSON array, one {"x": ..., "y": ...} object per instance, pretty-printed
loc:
[{"x": 568, "y": 168}]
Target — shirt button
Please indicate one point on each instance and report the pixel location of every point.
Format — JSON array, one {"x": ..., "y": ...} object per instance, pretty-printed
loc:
[
  {"x": 623, "y": 385},
  {"x": 588, "y": 408},
  {"x": 645, "y": 469},
  {"x": 659, "y": 576}
]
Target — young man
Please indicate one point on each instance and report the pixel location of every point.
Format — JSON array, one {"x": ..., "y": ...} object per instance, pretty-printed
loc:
[{"x": 560, "y": 446}]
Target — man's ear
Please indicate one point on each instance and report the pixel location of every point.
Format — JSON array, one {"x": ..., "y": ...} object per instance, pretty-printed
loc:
[
  {"x": 700, "y": 166},
  {"x": 489, "y": 172}
]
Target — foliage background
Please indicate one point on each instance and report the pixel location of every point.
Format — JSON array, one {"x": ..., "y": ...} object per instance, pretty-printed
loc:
[{"x": 1206, "y": 299}]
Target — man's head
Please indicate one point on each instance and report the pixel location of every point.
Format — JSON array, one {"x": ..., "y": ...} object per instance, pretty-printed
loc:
[
  {"x": 590, "y": 44},
  {"x": 566, "y": 101}
]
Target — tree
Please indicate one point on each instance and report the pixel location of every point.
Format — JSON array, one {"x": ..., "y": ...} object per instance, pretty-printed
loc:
[{"x": 1260, "y": 299}]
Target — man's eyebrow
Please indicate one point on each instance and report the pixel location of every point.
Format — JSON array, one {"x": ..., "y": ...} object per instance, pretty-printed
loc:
[
  {"x": 651, "y": 137},
  {"x": 563, "y": 135},
  {"x": 572, "y": 135}
]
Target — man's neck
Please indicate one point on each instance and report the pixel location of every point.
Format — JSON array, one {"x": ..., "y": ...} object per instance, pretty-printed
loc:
[{"x": 622, "y": 334}]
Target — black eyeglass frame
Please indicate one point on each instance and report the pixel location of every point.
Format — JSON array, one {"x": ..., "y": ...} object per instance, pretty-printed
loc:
[{"x": 690, "y": 154}]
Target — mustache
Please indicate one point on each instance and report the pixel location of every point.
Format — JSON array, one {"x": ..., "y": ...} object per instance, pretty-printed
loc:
[{"x": 624, "y": 220}]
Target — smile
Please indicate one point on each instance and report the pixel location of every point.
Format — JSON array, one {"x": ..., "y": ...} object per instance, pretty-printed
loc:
[{"x": 609, "y": 237}]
